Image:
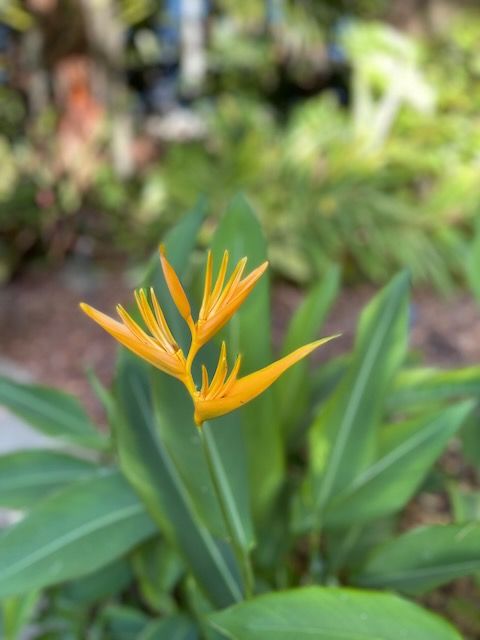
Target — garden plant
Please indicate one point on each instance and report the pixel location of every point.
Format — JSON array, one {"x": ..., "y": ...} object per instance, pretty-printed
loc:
[{"x": 247, "y": 498}]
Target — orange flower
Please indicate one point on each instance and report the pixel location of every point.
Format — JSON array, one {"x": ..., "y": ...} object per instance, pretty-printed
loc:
[{"x": 224, "y": 393}]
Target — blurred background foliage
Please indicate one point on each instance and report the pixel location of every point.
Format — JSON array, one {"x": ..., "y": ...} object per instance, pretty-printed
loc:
[{"x": 354, "y": 127}]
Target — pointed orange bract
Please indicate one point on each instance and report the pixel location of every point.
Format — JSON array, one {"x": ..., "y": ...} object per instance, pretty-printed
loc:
[
  {"x": 160, "y": 349},
  {"x": 175, "y": 287},
  {"x": 216, "y": 400},
  {"x": 226, "y": 392},
  {"x": 220, "y": 303}
]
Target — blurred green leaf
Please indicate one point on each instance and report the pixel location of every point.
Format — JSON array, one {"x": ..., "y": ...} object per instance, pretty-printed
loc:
[
  {"x": 292, "y": 390},
  {"x": 423, "y": 559},
  {"x": 28, "y": 476},
  {"x": 158, "y": 568},
  {"x": 177, "y": 627},
  {"x": 342, "y": 438},
  {"x": 124, "y": 623},
  {"x": 101, "y": 584},
  {"x": 73, "y": 532},
  {"x": 16, "y": 613},
  {"x": 408, "y": 450},
  {"x": 423, "y": 386},
  {"x": 330, "y": 614},
  {"x": 52, "y": 412}
]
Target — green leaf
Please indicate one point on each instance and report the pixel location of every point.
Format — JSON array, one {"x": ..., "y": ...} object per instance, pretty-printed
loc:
[
  {"x": 101, "y": 584},
  {"x": 174, "y": 415},
  {"x": 342, "y": 438},
  {"x": 465, "y": 504},
  {"x": 408, "y": 451},
  {"x": 52, "y": 412},
  {"x": 153, "y": 472},
  {"x": 158, "y": 569},
  {"x": 177, "y": 627},
  {"x": 248, "y": 333},
  {"x": 292, "y": 392},
  {"x": 330, "y": 614},
  {"x": 28, "y": 476},
  {"x": 423, "y": 559},
  {"x": 16, "y": 613},
  {"x": 124, "y": 623},
  {"x": 472, "y": 263},
  {"x": 424, "y": 386},
  {"x": 75, "y": 531}
]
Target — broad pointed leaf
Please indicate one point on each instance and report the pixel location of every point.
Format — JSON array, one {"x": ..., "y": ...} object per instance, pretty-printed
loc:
[
  {"x": 74, "y": 532},
  {"x": 408, "y": 452},
  {"x": 342, "y": 439},
  {"x": 424, "y": 559},
  {"x": 330, "y": 614}
]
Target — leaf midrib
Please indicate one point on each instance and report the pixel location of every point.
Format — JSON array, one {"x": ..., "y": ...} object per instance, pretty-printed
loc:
[{"x": 72, "y": 536}]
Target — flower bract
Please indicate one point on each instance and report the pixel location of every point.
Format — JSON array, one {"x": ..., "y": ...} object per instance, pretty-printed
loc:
[{"x": 226, "y": 391}]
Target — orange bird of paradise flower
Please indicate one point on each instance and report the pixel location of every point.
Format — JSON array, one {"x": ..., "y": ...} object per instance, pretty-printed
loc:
[{"x": 226, "y": 391}]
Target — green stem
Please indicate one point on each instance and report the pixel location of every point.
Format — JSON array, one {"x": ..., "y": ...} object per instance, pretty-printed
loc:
[{"x": 224, "y": 498}]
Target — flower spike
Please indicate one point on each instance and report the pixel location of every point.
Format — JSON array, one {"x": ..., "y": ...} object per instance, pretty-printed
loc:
[{"x": 225, "y": 392}]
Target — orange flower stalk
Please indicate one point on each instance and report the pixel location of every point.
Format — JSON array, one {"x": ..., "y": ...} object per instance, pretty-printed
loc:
[{"x": 224, "y": 393}]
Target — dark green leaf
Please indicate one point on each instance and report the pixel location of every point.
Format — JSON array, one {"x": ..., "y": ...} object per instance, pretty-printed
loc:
[
  {"x": 99, "y": 585},
  {"x": 174, "y": 414},
  {"x": 151, "y": 469},
  {"x": 177, "y": 627}
]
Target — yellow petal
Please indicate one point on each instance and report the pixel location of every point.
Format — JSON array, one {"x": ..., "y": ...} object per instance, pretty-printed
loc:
[
  {"x": 207, "y": 329},
  {"x": 169, "y": 363},
  {"x": 249, "y": 387},
  {"x": 207, "y": 286},
  {"x": 161, "y": 319},
  {"x": 231, "y": 286},
  {"x": 175, "y": 287},
  {"x": 220, "y": 373},
  {"x": 150, "y": 320},
  {"x": 217, "y": 289}
]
